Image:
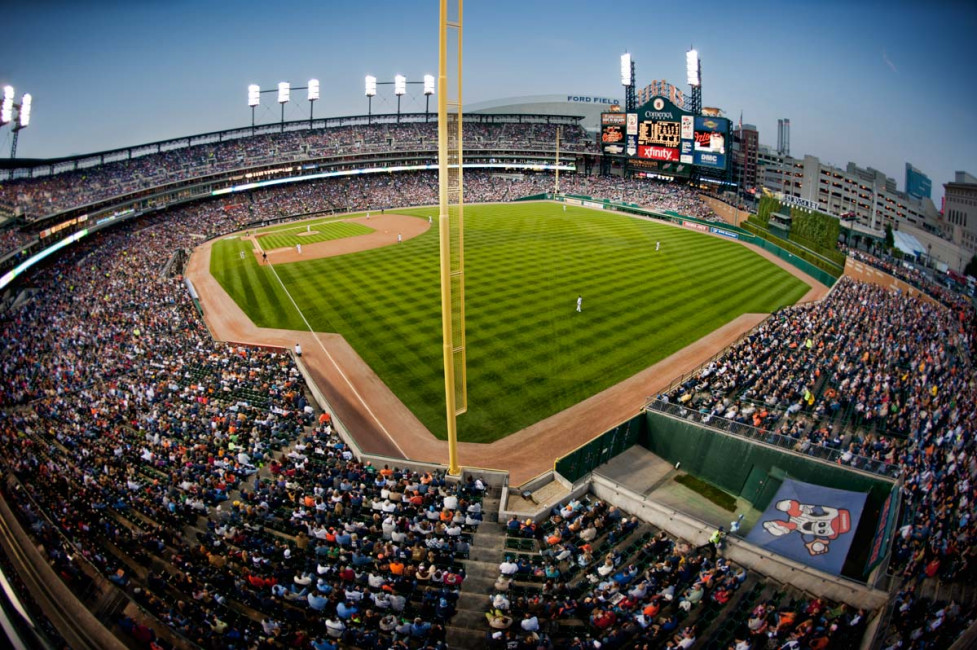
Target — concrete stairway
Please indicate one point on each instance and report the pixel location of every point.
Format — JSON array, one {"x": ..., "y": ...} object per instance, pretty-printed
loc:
[{"x": 468, "y": 626}]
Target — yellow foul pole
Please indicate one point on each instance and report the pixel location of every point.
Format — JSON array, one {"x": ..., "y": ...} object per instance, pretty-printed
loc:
[
  {"x": 556, "y": 188},
  {"x": 451, "y": 230}
]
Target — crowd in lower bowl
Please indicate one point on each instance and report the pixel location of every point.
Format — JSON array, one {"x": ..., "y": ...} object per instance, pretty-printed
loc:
[
  {"x": 197, "y": 477},
  {"x": 602, "y": 579}
]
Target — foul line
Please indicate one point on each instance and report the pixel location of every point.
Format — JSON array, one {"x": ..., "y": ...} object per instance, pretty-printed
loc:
[{"x": 333, "y": 361}]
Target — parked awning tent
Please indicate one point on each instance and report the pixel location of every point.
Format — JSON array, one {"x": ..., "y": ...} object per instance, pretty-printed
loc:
[{"x": 907, "y": 243}]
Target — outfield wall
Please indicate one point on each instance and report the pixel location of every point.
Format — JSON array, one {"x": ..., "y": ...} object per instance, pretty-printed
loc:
[
  {"x": 582, "y": 460},
  {"x": 733, "y": 463},
  {"x": 754, "y": 471},
  {"x": 721, "y": 229}
]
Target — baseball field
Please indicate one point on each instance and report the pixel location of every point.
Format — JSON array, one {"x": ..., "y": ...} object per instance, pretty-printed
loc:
[{"x": 530, "y": 353}]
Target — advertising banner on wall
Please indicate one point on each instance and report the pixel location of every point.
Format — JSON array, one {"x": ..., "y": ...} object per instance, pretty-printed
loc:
[
  {"x": 711, "y": 140},
  {"x": 811, "y": 524},
  {"x": 658, "y": 153},
  {"x": 632, "y": 124}
]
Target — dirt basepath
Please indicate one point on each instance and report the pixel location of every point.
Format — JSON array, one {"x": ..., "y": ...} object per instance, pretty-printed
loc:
[
  {"x": 385, "y": 227},
  {"x": 382, "y": 424}
]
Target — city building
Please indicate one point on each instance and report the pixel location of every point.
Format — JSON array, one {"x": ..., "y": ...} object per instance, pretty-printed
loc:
[
  {"x": 662, "y": 89},
  {"x": 746, "y": 144},
  {"x": 783, "y": 136},
  {"x": 960, "y": 212},
  {"x": 863, "y": 194}
]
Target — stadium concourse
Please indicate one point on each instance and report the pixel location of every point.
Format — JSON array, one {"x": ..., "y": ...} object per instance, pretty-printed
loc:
[{"x": 199, "y": 478}]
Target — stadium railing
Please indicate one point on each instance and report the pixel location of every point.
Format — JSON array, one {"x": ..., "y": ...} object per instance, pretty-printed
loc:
[{"x": 787, "y": 443}]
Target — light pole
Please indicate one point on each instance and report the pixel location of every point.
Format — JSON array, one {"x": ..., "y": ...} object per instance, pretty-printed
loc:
[
  {"x": 313, "y": 88},
  {"x": 283, "y": 95},
  {"x": 7, "y": 115},
  {"x": 254, "y": 98},
  {"x": 400, "y": 84},
  {"x": 627, "y": 80},
  {"x": 693, "y": 69},
  {"x": 400, "y": 89},
  {"x": 7, "y": 107},
  {"x": 428, "y": 91},
  {"x": 371, "y": 91}
]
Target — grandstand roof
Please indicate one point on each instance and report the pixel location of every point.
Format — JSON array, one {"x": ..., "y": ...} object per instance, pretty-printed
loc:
[{"x": 588, "y": 106}]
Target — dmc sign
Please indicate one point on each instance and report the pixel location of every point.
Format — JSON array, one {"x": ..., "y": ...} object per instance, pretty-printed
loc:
[{"x": 591, "y": 100}]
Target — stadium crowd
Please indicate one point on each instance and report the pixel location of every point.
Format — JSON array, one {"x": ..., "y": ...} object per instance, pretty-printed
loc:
[
  {"x": 196, "y": 476},
  {"x": 910, "y": 275},
  {"x": 420, "y": 188},
  {"x": 878, "y": 376},
  {"x": 138, "y": 441},
  {"x": 604, "y": 580},
  {"x": 44, "y": 195},
  {"x": 11, "y": 239}
]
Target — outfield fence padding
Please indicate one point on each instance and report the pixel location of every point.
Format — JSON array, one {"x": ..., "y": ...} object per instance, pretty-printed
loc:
[
  {"x": 582, "y": 460},
  {"x": 727, "y": 461},
  {"x": 734, "y": 232}
]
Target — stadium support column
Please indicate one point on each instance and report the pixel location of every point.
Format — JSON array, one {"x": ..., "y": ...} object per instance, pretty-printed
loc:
[{"x": 451, "y": 229}]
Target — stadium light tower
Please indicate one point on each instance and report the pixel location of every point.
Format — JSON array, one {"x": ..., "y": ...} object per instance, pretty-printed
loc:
[
  {"x": 428, "y": 91},
  {"x": 23, "y": 115},
  {"x": 627, "y": 80},
  {"x": 254, "y": 98},
  {"x": 313, "y": 87},
  {"x": 400, "y": 88},
  {"x": 693, "y": 69},
  {"x": 371, "y": 91},
  {"x": 283, "y": 96},
  {"x": 7, "y": 107}
]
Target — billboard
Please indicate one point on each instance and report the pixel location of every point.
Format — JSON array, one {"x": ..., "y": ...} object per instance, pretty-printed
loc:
[
  {"x": 711, "y": 140},
  {"x": 811, "y": 524},
  {"x": 918, "y": 184},
  {"x": 612, "y": 126}
]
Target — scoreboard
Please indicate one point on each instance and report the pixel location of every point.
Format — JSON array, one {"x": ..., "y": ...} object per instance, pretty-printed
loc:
[{"x": 662, "y": 132}]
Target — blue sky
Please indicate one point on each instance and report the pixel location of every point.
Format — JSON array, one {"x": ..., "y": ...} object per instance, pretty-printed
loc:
[{"x": 877, "y": 83}]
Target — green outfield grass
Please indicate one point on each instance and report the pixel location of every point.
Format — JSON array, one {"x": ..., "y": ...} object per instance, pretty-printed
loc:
[
  {"x": 288, "y": 237},
  {"x": 530, "y": 354}
]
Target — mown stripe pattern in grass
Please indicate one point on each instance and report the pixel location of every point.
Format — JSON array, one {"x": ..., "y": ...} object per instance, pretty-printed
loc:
[
  {"x": 254, "y": 287},
  {"x": 529, "y": 353}
]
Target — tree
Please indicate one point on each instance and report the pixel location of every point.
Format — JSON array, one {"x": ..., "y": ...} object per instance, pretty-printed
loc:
[
  {"x": 971, "y": 269},
  {"x": 890, "y": 240}
]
